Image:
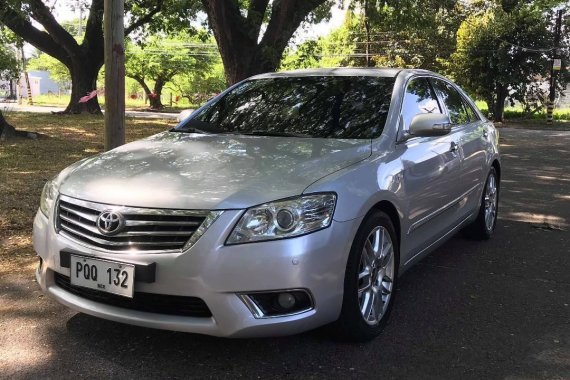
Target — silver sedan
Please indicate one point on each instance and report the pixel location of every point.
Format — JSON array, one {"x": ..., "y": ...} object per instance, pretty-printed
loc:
[{"x": 290, "y": 201}]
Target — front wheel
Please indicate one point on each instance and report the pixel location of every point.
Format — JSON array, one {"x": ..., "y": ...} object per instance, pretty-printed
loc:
[
  {"x": 370, "y": 280},
  {"x": 484, "y": 226}
]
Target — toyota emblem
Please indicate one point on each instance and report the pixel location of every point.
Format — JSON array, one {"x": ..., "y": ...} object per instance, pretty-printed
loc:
[{"x": 110, "y": 222}]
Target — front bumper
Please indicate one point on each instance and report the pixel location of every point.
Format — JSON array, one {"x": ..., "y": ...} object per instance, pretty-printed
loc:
[{"x": 218, "y": 274}]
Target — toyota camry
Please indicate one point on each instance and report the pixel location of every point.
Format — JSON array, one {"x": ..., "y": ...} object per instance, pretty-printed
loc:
[{"x": 290, "y": 201}]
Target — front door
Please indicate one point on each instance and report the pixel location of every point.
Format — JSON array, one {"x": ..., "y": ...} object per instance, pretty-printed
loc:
[
  {"x": 472, "y": 141},
  {"x": 431, "y": 174}
]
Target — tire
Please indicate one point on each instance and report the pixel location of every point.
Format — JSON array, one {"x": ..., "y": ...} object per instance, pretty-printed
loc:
[
  {"x": 484, "y": 226},
  {"x": 382, "y": 280}
]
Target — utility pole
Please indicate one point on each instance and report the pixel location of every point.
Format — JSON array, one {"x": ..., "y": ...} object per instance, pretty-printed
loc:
[
  {"x": 553, "y": 68},
  {"x": 114, "y": 73}
]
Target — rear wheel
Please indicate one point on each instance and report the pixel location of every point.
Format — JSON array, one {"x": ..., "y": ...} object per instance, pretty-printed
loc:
[
  {"x": 484, "y": 226},
  {"x": 370, "y": 280}
]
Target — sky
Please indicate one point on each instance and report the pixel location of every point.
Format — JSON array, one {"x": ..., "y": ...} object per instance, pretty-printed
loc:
[{"x": 323, "y": 28}]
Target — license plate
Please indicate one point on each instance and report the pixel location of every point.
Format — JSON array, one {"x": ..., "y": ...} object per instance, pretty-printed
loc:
[{"x": 106, "y": 276}]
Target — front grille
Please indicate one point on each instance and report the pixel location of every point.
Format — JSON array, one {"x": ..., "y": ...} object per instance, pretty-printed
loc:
[
  {"x": 149, "y": 302},
  {"x": 144, "y": 229}
]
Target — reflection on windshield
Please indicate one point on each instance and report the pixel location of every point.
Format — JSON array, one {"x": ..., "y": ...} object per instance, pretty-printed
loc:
[{"x": 326, "y": 106}]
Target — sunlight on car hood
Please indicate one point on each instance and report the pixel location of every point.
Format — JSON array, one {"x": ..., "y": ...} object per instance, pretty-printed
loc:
[{"x": 197, "y": 171}]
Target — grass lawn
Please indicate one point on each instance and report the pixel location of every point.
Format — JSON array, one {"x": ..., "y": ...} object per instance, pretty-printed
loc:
[
  {"x": 25, "y": 165},
  {"x": 63, "y": 100}
]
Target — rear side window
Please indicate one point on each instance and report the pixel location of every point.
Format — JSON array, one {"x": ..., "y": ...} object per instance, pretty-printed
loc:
[
  {"x": 472, "y": 115},
  {"x": 459, "y": 112},
  {"x": 419, "y": 98}
]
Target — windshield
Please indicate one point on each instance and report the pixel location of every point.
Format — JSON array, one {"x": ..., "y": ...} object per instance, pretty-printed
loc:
[{"x": 325, "y": 106}]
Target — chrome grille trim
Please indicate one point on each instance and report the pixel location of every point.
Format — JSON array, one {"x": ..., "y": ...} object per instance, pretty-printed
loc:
[{"x": 146, "y": 230}]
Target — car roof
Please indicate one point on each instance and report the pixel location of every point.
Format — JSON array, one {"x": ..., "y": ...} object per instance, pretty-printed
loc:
[{"x": 344, "y": 71}]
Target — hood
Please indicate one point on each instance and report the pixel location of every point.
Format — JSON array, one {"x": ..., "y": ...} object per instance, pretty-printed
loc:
[{"x": 197, "y": 171}]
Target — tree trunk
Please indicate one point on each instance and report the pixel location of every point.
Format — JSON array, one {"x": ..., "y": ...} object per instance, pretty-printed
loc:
[
  {"x": 499, "y": 106},
  {"x": 259, "y": 61},
  {"x": 12, "y": 94},
  {"x": 156, "y": 103},
  {"x": 241, "y": 60},
  {"x": 243, "y": 54},
  {"x": 83, "y": 82},
  {"x": 152, "y": 95},
  {"x": 8, "y": 131}
]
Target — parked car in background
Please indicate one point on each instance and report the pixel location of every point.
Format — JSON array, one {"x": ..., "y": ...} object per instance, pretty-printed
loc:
[{"x": 290, "y": 201}]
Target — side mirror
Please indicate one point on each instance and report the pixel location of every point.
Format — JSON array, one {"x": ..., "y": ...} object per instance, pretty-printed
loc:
[
  {"x": 430, "y": 124},
  {"x": 183, "y": 115}
]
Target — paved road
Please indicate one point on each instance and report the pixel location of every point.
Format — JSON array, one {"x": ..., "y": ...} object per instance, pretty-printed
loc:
[
  {"x": 7, "y": 107},
  {"x": 471, "y": 310}
]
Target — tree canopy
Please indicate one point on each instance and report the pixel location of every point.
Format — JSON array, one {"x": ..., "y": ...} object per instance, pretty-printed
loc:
[
  {"x": 237, "y": 27},
  {"x": 162, "y": 57},
  {"x": 9, "y": 66},
  {"x": 512, "y": 49},
  {"x": 188, "y": 45},
  {"x": 84, "y": 59}
]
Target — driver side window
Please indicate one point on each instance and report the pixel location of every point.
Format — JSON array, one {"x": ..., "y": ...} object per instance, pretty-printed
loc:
[{"x": 419, "y": 98}]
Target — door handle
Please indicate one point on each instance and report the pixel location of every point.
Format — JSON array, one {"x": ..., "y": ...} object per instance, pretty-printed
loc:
[{"x": 454, "y": 147}]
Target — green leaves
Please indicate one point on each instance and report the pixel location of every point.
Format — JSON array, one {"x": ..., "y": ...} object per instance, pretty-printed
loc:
[
  {"x": 511, "y": 48},
  {"x": 9, "y": 65},
  {"x": 180, "y": 60},
  {"x": 392, "y": 33}
]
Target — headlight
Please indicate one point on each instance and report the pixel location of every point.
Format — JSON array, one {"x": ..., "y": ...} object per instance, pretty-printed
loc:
[
  {"x": 283, "y": 219},
  {"x": 49, "y": 194}
]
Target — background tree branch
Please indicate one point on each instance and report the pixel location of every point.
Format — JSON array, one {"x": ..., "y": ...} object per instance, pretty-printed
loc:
[
  {"x": 37, "y": 38},
  {"x": 144, "y": 19},
  {"x": 43, "y": 15}
]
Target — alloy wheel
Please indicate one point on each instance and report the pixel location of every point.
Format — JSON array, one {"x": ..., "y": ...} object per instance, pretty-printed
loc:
[
  {"x": 490, "y": 202},
  {"x": 375, "y": 275}
]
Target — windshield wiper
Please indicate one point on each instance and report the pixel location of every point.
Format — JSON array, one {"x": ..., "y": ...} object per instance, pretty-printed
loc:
[
  {"x": 189, "y": 130},
  {"x": 271, "y": 133},
  {"x": 197, "y": 126}
]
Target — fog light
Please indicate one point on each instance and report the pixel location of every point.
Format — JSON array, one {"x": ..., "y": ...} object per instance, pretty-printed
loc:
[
  {"x": 286, "y": 300},
  {"x": 278, "y": 303}
]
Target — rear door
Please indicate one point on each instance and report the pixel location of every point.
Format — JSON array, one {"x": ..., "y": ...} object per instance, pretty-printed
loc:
[
  {"x": 471, "y": 138},
  {"x": 431, "y": 172}
]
